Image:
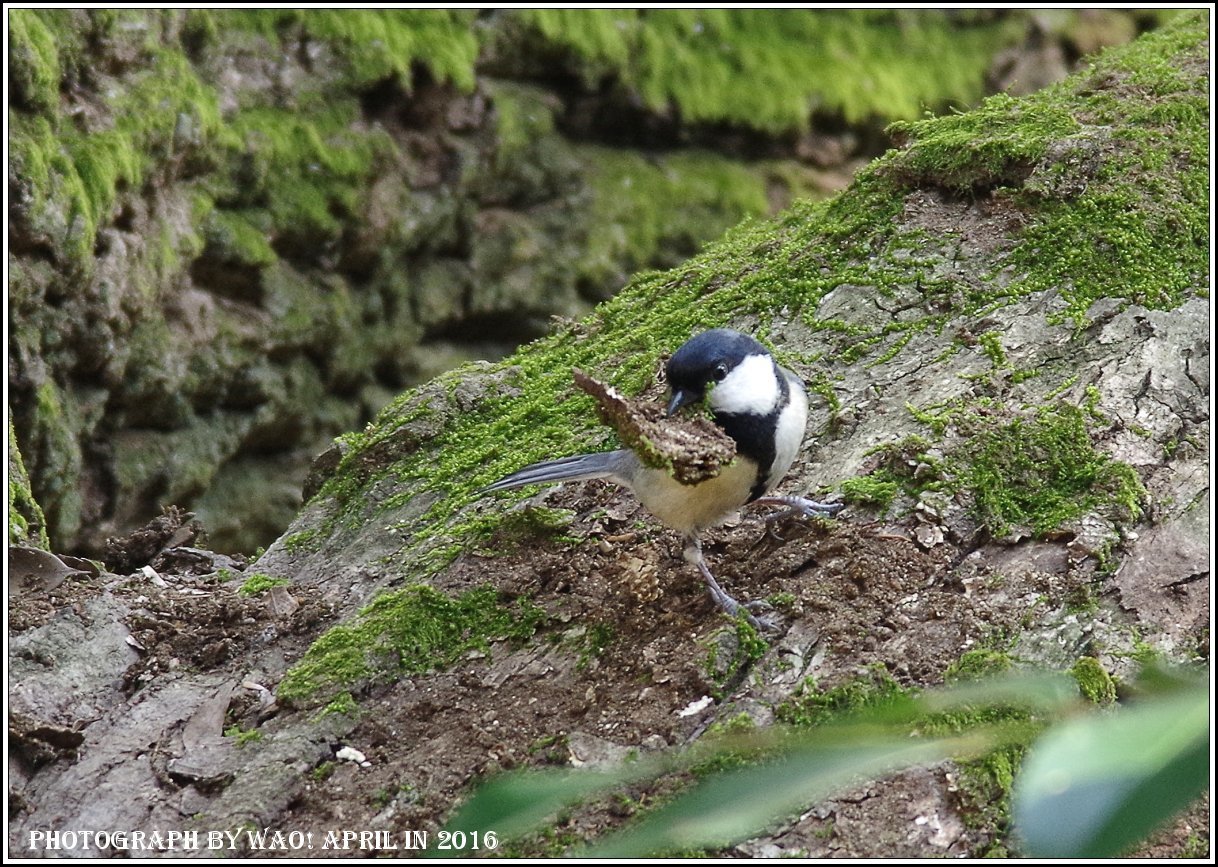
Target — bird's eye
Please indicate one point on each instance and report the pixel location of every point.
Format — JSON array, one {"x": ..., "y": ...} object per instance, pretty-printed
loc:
[{"x": 720, "y": 372}]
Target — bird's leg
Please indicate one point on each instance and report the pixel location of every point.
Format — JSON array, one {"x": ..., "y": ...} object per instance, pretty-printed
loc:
[
  {"x": 799, "y": 506},
  {"x": 693, "y": 556}
]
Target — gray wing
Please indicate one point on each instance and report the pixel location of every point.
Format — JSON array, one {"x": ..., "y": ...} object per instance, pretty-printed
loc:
[{"x": 618, "y": 466}]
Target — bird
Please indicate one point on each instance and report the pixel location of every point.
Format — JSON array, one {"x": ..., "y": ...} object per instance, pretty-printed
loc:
[{"x": 762, "y": 406}]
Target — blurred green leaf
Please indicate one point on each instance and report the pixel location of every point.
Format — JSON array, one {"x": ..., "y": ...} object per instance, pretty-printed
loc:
[
  {"x": 516, "y": 803},
  {"x": 737, "y": 804},
  {"x": 1094, "y": 786},
  {"x": 1039, "y": 691}
]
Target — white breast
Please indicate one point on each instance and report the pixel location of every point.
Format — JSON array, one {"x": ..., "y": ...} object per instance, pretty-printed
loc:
[{"x": 790, "y": 434}]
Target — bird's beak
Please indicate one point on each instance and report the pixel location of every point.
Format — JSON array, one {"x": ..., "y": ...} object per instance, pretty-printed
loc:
[{"x": 679, "y": 399}]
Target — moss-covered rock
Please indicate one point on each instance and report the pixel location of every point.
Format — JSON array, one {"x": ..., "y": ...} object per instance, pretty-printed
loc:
[{"x": 26, "y": 524}]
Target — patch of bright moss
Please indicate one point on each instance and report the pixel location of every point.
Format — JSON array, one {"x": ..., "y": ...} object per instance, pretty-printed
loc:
[
  {"x": 33, "y": 61},
  {"x": 301, "y": 541},
  {"x": 1043, "y": 472},
  {"x": 1094, "y": 682},
  {"x": 812, "y": 706},
  {"x": 877, "y": 489},
  {"x": 977, "y": 664},
  {"x": 259, "y": 583},
  {"x": 770, "y": 69},
  {"x": 243, "y": 736},
  {"x": 343, "y": 704},
  {"x": 405, "y": 632},
  {"x": 373, "y": 45}
]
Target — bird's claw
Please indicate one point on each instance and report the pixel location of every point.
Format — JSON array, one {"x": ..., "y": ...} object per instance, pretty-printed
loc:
[{"x": 800, "y": 506}]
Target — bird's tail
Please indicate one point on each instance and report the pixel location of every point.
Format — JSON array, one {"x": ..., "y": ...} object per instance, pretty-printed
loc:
[{"x": 603, "y": 465}]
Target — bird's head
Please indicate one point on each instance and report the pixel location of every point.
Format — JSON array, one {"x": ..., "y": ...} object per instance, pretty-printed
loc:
[{"x": 731, "y": 371}]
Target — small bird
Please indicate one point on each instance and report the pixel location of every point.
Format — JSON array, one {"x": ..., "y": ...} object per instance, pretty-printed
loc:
[{"x": 763, "y": 407}]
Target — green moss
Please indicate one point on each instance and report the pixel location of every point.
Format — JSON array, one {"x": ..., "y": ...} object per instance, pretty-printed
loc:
[
  {"x": 309, "y": 170},
  {"x": 302, "y": 541},
  {"x": 1094, "y": 682},
  {"x": 552, "y": 749},
  {"x": 323, "y": 771},
  {"x": 994, "y": 145},
  {"x": 977, "y": 664},
  {"x": 236, "y": 237},
  {"x": 983, "y": 790},
  {"x": 523, "y": 115},
  {"x": 405, "y": 632},
  {"x": 770, "y": 69},
  {"x": 1043, "y": 472},
  {"x": 903, "y": 467},
  {"x": 243, "y": 737},
  {"x": 375, "y": 44},
  {"x": 991, "y": 342},
  {"x": 259, "y": 583},
  {"x": 1095, "y": 233},
  {"x": 33, "y": 61},
  {"x": 61, "y": 459},
  {"x": 643, "y": 206},
  {"x": 26, "y": 523},
  {"x": 343, "y": 704},
  {"x": 72, "y": 178},
  {"x": 812, "y": 706},
  {"x": 731, "y": 653},
  {"x": 593, "y": 644},
  {"x": 877, "y": 489}
]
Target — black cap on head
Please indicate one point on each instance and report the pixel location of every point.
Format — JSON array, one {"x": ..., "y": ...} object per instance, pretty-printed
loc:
[{"x": 704, "y": 359}]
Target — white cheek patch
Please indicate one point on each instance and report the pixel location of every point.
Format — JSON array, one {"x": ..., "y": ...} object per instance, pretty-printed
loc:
[{"x": 751, "y": 387}]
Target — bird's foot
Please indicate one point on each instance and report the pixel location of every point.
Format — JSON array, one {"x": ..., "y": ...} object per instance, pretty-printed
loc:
[
  {"x": 798, "y": 506},
  {"x": 693, "y": 555},
  {"x": 729, "y": 605}
]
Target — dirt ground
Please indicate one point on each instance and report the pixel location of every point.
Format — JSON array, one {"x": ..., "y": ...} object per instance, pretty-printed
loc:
[{"x": 630, "y": 642}]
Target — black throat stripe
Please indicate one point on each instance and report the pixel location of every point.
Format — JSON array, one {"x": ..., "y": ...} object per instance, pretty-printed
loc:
[{"x": 754, "y": 434}]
